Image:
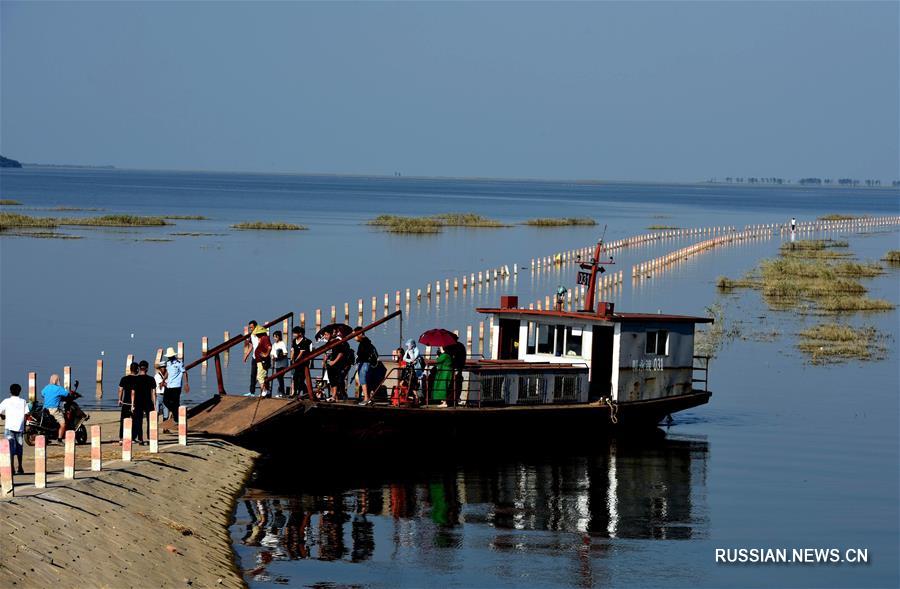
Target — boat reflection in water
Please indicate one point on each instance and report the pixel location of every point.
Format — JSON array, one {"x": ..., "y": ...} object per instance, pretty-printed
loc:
[{"x": 461, "y": 517}]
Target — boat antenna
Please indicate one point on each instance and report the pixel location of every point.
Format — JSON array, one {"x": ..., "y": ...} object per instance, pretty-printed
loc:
[{"x": 595, "y": 267}]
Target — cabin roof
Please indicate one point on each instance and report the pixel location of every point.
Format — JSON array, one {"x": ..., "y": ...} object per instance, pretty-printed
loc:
[{"x": 600, "y": 319}]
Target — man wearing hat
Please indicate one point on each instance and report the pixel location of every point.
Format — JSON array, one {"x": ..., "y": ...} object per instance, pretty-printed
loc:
[
  {"x": 175, "y": 374},
  {"x": 160, "y": 378}
]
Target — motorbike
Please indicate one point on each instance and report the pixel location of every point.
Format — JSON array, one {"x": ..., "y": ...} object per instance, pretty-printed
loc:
[{"x": 40, "y": 422}]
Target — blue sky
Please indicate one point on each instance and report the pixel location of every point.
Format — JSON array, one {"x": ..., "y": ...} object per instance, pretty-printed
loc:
[{"x": 604, "y": 90}]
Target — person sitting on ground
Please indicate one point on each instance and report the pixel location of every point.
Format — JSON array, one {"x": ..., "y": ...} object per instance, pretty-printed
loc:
[
  {"x": 279, "y": 358},
  {"x": 53, "y": 396},
  {"x": 126, "y": 392},
  {"x": 366, "y": 357},
  {"x": 13, "y": 410},
  {"x": 299, "y": 346},
  {"x": 263, "y": 356},
  {"x": 175, "y": 376}
]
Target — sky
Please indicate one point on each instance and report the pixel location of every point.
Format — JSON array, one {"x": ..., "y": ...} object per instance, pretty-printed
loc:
[{"x": 657, "y": 91}]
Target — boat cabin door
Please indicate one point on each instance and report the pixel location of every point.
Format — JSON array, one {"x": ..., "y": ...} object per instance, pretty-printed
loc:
[
  {"x": 509, "y": 339},
  {"x": 601, "y": 362}
]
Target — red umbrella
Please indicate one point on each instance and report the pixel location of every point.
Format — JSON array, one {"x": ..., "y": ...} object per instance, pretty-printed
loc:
[{"x": 438, "y": 337}]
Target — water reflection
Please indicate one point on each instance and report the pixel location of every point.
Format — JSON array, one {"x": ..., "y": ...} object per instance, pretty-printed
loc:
[{"x": 443, "y": 512}]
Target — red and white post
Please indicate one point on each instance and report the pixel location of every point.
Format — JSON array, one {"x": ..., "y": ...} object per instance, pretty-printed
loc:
[
  {"x": 154, "y": 432},
  {"x": 182, "y": 425},
  {"x": 6, "y": 476},
  {"x": 69, "y": 464},
  {"x": 126, "y": 440},
  {"x": 96, "y": 455},
  {"x": 40, "y": 462}
]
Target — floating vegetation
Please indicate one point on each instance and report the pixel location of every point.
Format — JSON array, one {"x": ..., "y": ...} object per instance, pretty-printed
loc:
[
  {"x": 838, "y": 217},
  {"x": 710, "y": 337},
  {"x": 814, "y": 248},
  {"x": 9, "y": 220},
  {"x": 560, "y": 222},
  {"x": 661, "y": 227},
  {"x": 835, "y": 342},
  {"x": 66, "y": 208},
  {"x": 892, "y": 257},
  {"x": 431, "y": 224},
  {"x": 268, "y": 226},
  {"x": 9, "y": 202},
  {"x": 466, "y": 220},
  {"x": 186, "y": 217},
  {"x": 194, "y": 234},
  {"x": 42, "y": 234},
  {"x": 115, "y": 221},
  {"x": 157, "y": 239},
  {"x": 830, "y": 286}
]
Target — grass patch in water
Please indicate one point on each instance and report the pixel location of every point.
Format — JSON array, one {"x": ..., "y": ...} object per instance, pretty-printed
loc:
[
  {"x": 10, "y": 220},
  {"x": 431, "y": 224},
  {"x": 115, "y": 221},
  {"x": 560, "y": 222},
  {"x": 838, "y": 217},
  {"x": 268, "y": 226},
  {"x": 661, "y": 227},
  {"x": 186, "y": 217},
  {"x": 9, "y": 202},
  {"x": 892, "y": 257},
  {"x": 835, "y": 342}
]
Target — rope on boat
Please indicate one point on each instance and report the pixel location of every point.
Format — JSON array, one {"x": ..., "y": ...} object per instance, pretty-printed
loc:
[{"x": 613, "y": 410}]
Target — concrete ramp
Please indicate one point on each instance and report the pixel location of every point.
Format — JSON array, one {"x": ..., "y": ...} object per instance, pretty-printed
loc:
[{"x": 232, "y": 416}]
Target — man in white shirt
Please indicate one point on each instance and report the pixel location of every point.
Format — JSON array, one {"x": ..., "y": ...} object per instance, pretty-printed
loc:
[
  {"x": 250, "y": 352},
  {"x": 13, "y": 410}
]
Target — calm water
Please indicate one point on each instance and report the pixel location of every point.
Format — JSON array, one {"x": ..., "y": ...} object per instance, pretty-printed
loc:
[{"x": 786, "y": 455}]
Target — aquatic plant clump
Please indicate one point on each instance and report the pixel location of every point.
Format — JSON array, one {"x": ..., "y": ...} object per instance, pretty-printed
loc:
[
  {"x": 9, "y": 202},
  {"x": 892, "y": 257},
  {"x": 661, "y": 227},
  {"x": 186, "y": 217},
  {"x": 115, "y": 221},
  {"x": 560, "y": 222},
  {"x": 268, "y": 226},
  {"x": 9, "y": 220},
  {"x": 431, "y": 224},
  {"x": 834, "y": 342},
  {"x": 838, "y": 217}
]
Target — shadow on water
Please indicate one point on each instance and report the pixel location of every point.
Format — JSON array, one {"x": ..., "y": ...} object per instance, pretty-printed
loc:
[{"x": 400, "y": 511}]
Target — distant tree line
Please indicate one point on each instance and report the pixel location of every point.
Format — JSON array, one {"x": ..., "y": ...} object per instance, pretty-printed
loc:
[{"x": 805, "y": 181}]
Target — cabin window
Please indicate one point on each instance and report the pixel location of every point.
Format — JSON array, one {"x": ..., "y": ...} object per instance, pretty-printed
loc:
[
  {"x": 531, "y": 389},
  {"x": 657, "y": 342},
  {"x": 565, "y": 388},
  {"x": 532, "y": 338},
  {"x": 545, "y": 338},
  {"x": 573, "y": 340},
  {"x": 492, "y": 388}
]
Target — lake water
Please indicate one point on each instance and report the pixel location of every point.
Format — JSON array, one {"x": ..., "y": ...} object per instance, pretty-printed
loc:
[{"x": 786, "y": 455}]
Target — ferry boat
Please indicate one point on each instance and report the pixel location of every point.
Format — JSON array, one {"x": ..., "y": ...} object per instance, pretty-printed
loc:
[{"x": 552, "y": 374}]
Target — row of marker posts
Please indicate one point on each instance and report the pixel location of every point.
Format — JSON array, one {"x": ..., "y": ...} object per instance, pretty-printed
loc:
[
  {"x": 719, "y": 235},
  {"x": 40, "y": 451},
  {"x": 644, "y": 269}
]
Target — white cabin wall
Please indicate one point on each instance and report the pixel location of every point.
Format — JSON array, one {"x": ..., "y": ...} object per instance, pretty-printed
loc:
[{"x": 617, "y": 336}]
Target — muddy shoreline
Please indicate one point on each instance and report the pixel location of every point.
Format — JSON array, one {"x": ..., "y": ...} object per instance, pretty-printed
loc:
[{"x": 160, "y": 520}]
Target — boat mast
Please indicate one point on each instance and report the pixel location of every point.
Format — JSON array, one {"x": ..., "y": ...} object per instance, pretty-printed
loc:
[{"x": 595, "y": 269}]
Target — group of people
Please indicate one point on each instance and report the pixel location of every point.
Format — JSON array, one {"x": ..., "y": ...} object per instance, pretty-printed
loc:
[
  {"x": 140, "y": 393},
  {"x": 446, "y": 379}
]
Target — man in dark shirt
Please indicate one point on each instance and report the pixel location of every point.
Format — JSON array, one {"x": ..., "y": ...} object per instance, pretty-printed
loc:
[
  {"x": 300, "y": 344},
  {"x": 366, "y": 356},
  {"x": 126, "y": 391},
  {"x": 458, "y": 354},
  {"x": 143, "y": 400}
]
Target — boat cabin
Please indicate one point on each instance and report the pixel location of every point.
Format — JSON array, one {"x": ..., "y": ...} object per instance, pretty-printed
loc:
[{"x": 554, "y": 356}]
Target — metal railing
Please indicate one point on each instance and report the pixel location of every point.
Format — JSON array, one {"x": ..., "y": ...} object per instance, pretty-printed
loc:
[{"x": 702, "y": 368}]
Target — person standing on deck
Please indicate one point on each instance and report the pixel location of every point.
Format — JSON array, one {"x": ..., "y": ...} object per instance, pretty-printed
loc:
[
  {"x": 126, "y": 392},
  {"x": 299, "y": 346},
  {"x": 175, "y": 377},
  {"x": 458, "y": 353},
  {"x": 250, "y": 352},
  {"x": 336, "y": 366},
  {"x": 263, "y": 355},
  {"x": 143, "y": 399},
  {"x": 366, "y": 356},
  {"x": 443, "y": 377},
  {"x": 160, "y": 380},
  {"x": 53, "y": 396},
  {"x": 279, "y": 358},
  {"x": 13, "y": 410},
  {"x": 414, "y": 363}
]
